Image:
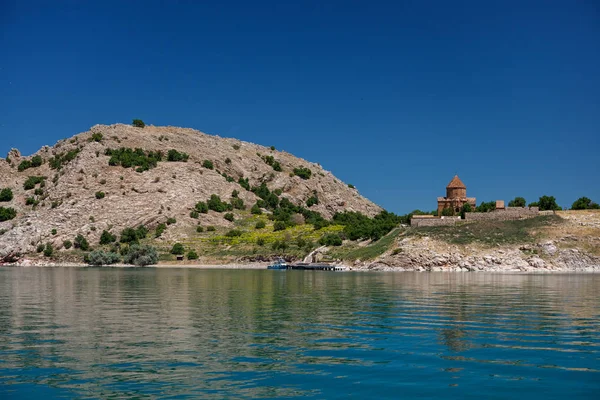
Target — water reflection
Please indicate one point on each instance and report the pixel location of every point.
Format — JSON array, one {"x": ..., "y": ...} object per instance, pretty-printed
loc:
[{"x": 247, "y": 333}]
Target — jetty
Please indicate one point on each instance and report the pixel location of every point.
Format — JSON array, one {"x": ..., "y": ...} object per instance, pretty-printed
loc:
[{"x": 317, "y": 267}]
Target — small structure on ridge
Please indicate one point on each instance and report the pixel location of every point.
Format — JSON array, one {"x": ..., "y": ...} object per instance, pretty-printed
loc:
[{"x": 456, "y": 197}]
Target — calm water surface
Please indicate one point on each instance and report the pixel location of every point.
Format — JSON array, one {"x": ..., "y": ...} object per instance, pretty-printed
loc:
[{"x": 179, "y": 333}]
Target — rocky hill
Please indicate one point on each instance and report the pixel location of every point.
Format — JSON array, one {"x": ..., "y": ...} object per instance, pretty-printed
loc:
[{"x": 79, "y": 192}]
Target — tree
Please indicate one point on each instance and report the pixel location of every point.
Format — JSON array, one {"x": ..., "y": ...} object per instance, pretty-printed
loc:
[
  {"x": 6, "y": 194},
  {"x": 448, "y": 212},
  {"x": 256, "y": 210},
  {"x": 583, "y": 203},
  {"x": 138, "y": 123},
  {"x": 201, "y": 207},
  {"x": 302, "y": 172},
  {"x": 548, "y": 203},
  {"x": 465, "y": 209},
  {"x": 141, "y": 255},
  {"x": 107, "y": 237},
  {"x": 279, "y": 226},
  {"x": 177, "y": 249},
  {"x": 486, "y": 206},
  {"x": 192, "y": 255},
  {"x": 48, "y": 250},
  {"x": 517, "y": 202},
  {"x": 81, "y": 243}
]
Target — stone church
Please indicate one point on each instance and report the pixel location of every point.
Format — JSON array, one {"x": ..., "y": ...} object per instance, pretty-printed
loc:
[{"x": 456, "y": 196}]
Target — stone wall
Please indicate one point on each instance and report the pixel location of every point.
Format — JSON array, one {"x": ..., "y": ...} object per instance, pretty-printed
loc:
[
  {"x": 443, "y": 221},
  {"x": 507, "y": 214}
]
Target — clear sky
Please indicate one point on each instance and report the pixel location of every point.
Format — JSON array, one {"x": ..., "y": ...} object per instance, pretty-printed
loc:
[{"x": 394, "y": 97}]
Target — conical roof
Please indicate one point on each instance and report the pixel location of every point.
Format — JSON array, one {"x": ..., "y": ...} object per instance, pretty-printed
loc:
[{"x": 456, "y": 183}]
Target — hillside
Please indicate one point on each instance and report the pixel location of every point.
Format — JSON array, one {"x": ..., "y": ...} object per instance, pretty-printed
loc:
[{"x": 79, "y": 192}]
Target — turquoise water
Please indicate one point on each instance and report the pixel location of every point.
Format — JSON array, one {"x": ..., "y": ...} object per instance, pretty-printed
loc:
[{"x": 179, "y": 333}]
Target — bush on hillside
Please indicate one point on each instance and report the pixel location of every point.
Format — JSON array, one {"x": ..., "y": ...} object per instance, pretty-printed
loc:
[
  {"x": 81, "y": 243},
  {"x": 141, "y": 255},
  {"x": 256, "y": 210},
  {"x": 138, "y": 123},
  {"x": 67, "y": 244},
  {"x": 127, "y": 158},
  {"x": 302, "y": 172},
  {"x": 517, "y": 202},
  {"x": 174, "y": 155},
  {"x": 330, "y": 239},
  {"x": 6, "y": 194},
  {"x": 107, "y": 238},
  {"x": 32, "y": 181},
  {"x": 192, "y": 255},
  {"x": 359, "y": 226},
  {"x": 61, "y": 159},
  {"x": 216, "y": 204},
  {"x": 547, "y": 203},
  {"x": 177, "y": 249},
  {"x": 208, "y": 164},
  {"x": 201, "y": 207},
  {"x": 229, "y": 217},
  {"x": 260, "y": 225},
  {"x": 100, "y": 257}
]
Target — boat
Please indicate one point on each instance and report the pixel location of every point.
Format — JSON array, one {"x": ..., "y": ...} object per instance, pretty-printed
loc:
[{"x": 279, "y": 264}]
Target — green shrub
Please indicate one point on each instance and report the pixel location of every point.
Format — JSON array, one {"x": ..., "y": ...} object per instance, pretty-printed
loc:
[
  {"x": 448, "y": 212},
  {"x": 128, "y": 158},
  {"x": 138, "y": 123},
  {"x": 35, "y": 161},
  {"x": 174, "y": 155},
  {"x": 40, "y": 247},
  {"x": 177, "y": 249},
  {"x": 201, "y": 207},
  {"x": 49, "y": 250},
  {"x": 359, "y": 226},
  {"x": 141, "y": 255},
  {"x": 194, "y": 214},
  {"x": 351, "y": 186},
  {"x": 171, "y": 221},
  {"x": 485, "y": 207},
  {"x": 81, "y": 242},
  {"x": 260, "y": 241},
  {"x": 199, "y": 229},
  {"x": 272, "y": 148},
  {"x": 302, "y": 172},
  {"x": 215, "y": 204},
  {"x": 277, "y": 166},
  {"x": 6, "y": 194},
  {"x": 31, "y": 201},
  {"x": 32, "y": 181},
  {"x": 279, "y": 226},
  {"x": 25, "y": 164},
  {"x": 228, "y": 161},
  {"x": 330, "y": 239},
  {"x": 465, "y": 209},
  {"x": 234, "y": 233},
  {"x": 67, "y": 244},
  {"x": 131, "y": 235},
  {"x": 207, "y": 164},
  {"x": 244, "y": 183},
  {"x": 210, "y": 228},
  {"x": 54, "y": 231},
  {"x": 256, "y": 210},
  {"x": 238, "y": 203},
  {"x": 100, "y": 195},
  {"x": 100, "y": 257},
  {"x": 192, "y": 255},
  {"x": 61, "y": 159},
  {"x": 260, "y": 225},
  {"x": 312, "y": 201},
  {"x": 236, "y": 146},
  {"x": 160, "y": 229},
  {"x": 547, "y": 203},
  {"x": 96, "y": 137},
  {"x": 229, "y": 217},
  {"x": 107, "y": 237}
]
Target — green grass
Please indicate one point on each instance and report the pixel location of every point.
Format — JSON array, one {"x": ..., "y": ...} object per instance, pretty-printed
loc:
[
  {"x": 354, "y": 252},
  {"x": 490, "y": 233}
]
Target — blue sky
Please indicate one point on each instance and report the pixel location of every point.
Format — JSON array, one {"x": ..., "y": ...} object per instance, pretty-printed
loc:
[{"x": 394, "y": 97}]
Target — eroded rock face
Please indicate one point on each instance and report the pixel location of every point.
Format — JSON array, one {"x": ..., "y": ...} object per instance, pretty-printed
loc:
[{"x": 69, "y": 205}]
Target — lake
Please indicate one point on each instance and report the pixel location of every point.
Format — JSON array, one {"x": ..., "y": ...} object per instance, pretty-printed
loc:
[{"x": 194, "y": 333}]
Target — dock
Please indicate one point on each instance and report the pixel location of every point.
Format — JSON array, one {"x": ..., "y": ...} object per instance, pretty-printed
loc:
[{"x": 317, "y": 267}]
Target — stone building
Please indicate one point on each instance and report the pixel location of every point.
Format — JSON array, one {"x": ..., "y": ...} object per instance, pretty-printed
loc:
[{"x": 456, "y": 196}]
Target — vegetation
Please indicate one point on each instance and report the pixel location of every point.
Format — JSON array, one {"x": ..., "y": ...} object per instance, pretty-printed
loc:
[
  {"x": 244, "y": 183},
  {"x": 208, "y": 164},
  {"x": 256, "y": 210},
  {"x": 194, "y": 214},
  {"x": 201, "y": 207},
  {"x": 199, "y": 229},
  {"x": 61, "y": 159},
  {"x": 260, "y": 224},
  {"x": 31, "y": 201},
  {"x": 128, "y": 158},
  {"x": 67, "y": 244},
  {"x": 100, "y": 195},
  {"x": 548, "y": 203},
  {"x": 160, "y": 229},
  {"x": 177, "y": 249},
  {"x": 582, "y": 203},
  {"x": 100, "y": 257},
  {"x": 6, "y": 194},
  {"x": 302, "y": 172},
  {"x": 48, "y": 250},
  {"x": 32, "y": 181},
  {"x": 465, "y": 209},
  {"x": 229, "y": 217},
  {"x": 174, "y": 155},
  {"x": 234, "y": 233},
  {"x": 486, "y": 206},
  {"x": 312, "y": 201},
  {"x": 216, "y": 204},
  {"x": 330, "y": 239},
  {"x": 107, "y": 238},
  {"x": 138, "y": 123},
  {"x": 96, "y": 137},
  {"x": 358, "y": 226},
  {"x": 131, "y": 235},
  {"x": 491, "y": 233},
  {"x": 171, "y": 221},
  {"x": 141, "y": 255},
  {"x": 35, "y": 161},
  {"x": 81, "y": 243},
  {"x": 7, "y": 213},
  {"x": 210, "y": 228},
  {"x": 238, "y": 203},
  {"x": 517, "y": 202},
  {"x": 192, "y": 255},
  {"x": 369, "y": 252},
  {"x": 351, "y": 186}
]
